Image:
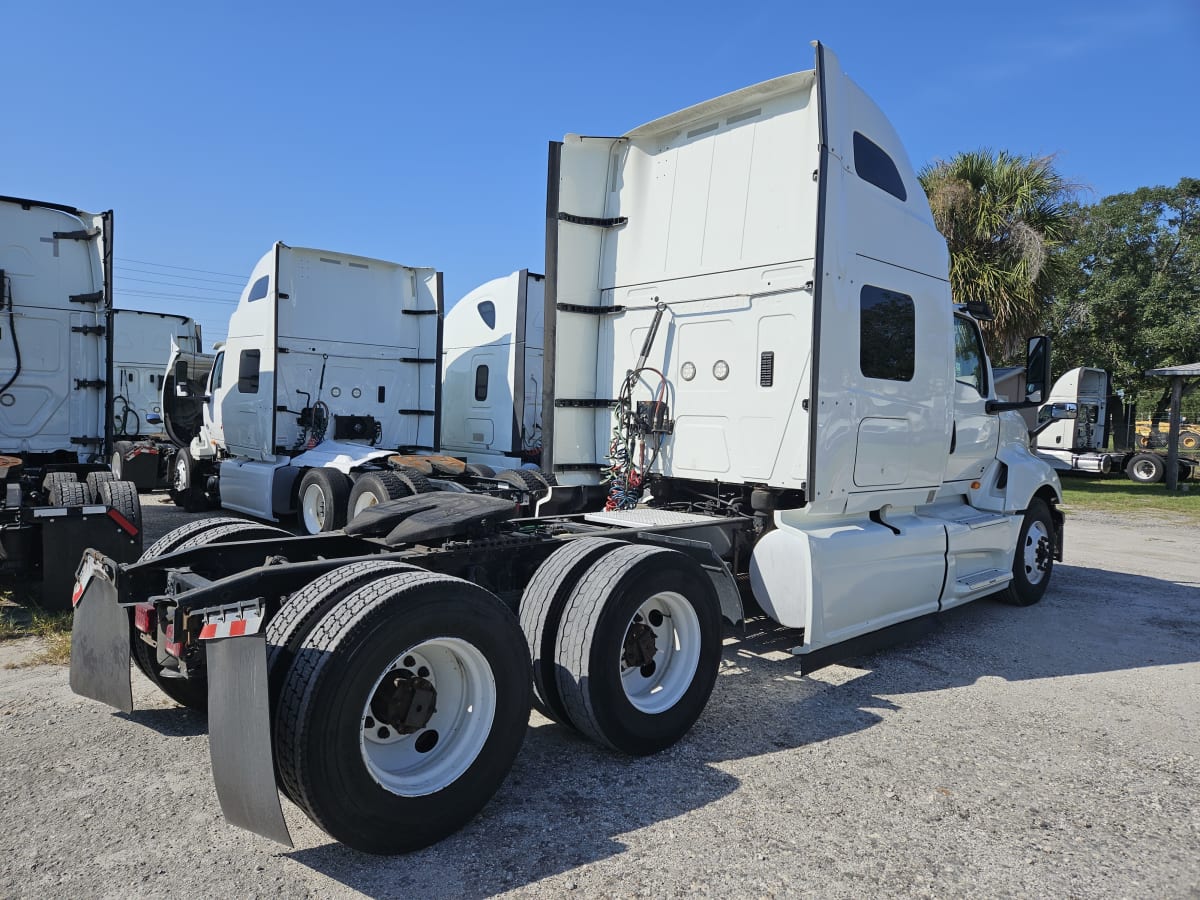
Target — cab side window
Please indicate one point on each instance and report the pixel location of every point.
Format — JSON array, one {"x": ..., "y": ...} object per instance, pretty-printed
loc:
[
  {"x": 968, "y": 356},
  {"x": 218, "y": 365}
]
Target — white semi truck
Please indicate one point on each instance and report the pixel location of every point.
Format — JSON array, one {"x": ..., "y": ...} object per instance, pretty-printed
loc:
[
  {"x": 56, "y": 398},
  {"x": 1074, "y": 434},
  {"x": 143, "y": 343},
  {"x": 327, "y": 397},
  {"x": 751, "y": 334},
  {"x": 492, "y": 373}
]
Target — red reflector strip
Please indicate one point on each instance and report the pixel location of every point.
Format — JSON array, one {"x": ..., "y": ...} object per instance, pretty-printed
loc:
[
  {"x": 248, "y": 624},
  {"x": 77, "y": 593},
  {"x": 143, "y": 617},
  {"x": 170, "y": 645},
  {"x": 123, "y": 522},
  {"x": 138, "y": 451}
]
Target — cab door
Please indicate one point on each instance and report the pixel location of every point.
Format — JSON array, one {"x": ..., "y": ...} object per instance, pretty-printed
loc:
[{"x": 976, "y": 433}]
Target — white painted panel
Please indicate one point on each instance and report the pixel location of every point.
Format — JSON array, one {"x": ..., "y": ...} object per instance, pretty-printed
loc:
[{"x": 882, "y": 457}]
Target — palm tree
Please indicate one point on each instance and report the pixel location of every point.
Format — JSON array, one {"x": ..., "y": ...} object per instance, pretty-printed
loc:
[{"x": 1003, "y": 217}]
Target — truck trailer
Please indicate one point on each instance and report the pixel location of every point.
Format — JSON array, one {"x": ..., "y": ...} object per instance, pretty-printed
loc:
[
  {"x": 56, "y": 398},
  {"x": 756, "y": 362}
]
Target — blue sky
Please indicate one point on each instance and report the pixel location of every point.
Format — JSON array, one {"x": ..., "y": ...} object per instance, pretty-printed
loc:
[{"x": 418, "y": 133}]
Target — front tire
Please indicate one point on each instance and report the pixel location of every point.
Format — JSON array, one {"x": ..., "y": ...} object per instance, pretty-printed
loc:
[
  {"x": 403, "y": 711},
  {"x": 639, "y": 648},
  {"x": 186, "y": 489},
  {"x": 1033, "y": 562}
]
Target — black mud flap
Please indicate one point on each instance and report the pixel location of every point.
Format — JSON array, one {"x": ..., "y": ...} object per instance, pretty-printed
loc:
[
  {"x": 239, "y": 735},
  {"x": 100, "y": 635}
]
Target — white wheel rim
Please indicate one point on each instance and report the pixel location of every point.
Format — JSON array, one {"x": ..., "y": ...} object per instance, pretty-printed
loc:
[
  {"x": 365, "y": 501},
  {"x": 181, "y": 474},
  {"x": 1144, "y": 469},
  {"x": 437, "y": 755},
  {"x": 312, "y": 508},
  {"x": 116, "y": 464},
  {"x": 1033, "y": 543},
  {"x": 658, "y": 685}
]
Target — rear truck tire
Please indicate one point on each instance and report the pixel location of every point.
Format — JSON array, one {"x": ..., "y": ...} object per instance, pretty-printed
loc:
[
  {"x": 547, "y": 477},
  {"x": 117, "y": 462},
  {"x": 300, "y": 613},
  {"x": 525, "y": 480},
  {"x": 68, "y": 493},
  {"x": 53, "y": 478},
  {"x": 372, "y": 489},
  {"x": 322, "y": 500},
  {"x": 1033, "y": 562},
  {"x": 94, "y": 480},
  {"x": 541, "y": 611},
  {"x": 638, "y": 649},
  {"x": 416, "y": 481},
  {"x": 190, "y": 692},
  {"x": 1145, "y": 468},
  {"x": 123, "y": 497},
  {"x": 479, "y": 470},
  {"x": 403, "y": 711},
  {"x": 186, "y": 490}
]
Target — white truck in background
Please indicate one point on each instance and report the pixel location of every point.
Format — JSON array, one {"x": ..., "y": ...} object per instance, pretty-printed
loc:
[
  {"x": 1073, "y": 434},
  {"x": 326, "y": 398},
  {"x": 56, "y": 402},
  {"x": 751, "y": 336},
  {"x": 143, "y": 343},
  {"x": 492, "y": 373}
]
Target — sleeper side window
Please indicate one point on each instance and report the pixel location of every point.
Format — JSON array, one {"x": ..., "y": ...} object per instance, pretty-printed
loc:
[
  {"x": 481, "y": 383},
  {"x": 872, "y": 164},
  {"x": 887, "y": 334},
  {"x": 259, "y": 289},
  {"x": 248, "y": 364}
]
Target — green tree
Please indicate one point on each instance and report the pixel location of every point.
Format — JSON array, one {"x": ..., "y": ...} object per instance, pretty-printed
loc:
[
  {"x": 1131, "y": 296},
  {"x": 1004, "y": 218}
]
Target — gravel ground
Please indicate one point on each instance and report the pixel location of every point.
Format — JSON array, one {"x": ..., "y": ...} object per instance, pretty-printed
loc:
[{"x": 1049, "y": 751}]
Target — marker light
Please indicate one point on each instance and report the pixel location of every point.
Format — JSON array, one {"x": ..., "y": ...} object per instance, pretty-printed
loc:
[
  {"x": 688, "y": 371},
  {"x": 720, "y": 370}
]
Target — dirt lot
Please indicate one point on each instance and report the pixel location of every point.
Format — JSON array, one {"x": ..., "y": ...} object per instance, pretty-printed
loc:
[{"x": 1049, "y": 751}]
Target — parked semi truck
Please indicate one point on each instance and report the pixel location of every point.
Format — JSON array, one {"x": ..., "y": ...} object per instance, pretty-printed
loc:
[
  {"x": 56, "y": 400},
  {"x": 756, "y": 363},
  {"x": 1074, "y": 433},
  {"x": 492, "y": 373},
  {"x": 325, "y": 399},
  {"x": 143, "y": 343}
]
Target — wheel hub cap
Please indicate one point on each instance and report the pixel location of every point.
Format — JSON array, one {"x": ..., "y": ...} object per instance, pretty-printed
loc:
[
  {"x": 404, "y": 701},
  {"x": 639, "y": 645}
]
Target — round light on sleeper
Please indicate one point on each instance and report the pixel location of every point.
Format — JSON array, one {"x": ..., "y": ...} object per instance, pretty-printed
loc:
[
  {"x": 688, "y": 371},
  {"x": 335, "y": 392},
  {"x": 720, "y": 370},
  {"x": 356, "y": 393}
]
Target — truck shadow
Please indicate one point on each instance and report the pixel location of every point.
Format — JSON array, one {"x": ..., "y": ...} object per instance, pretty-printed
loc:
[{"x": 568, "y": 803}]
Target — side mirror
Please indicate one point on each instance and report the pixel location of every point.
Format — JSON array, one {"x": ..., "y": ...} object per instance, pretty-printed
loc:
[
  {"x": 1060, "y": 411},
  {"x": 1037, "y": 370}
]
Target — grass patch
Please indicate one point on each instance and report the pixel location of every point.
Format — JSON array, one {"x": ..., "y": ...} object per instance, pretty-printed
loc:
[
  {"x": 29, "y": 622},
  {"x": 1118, "y": 495}
]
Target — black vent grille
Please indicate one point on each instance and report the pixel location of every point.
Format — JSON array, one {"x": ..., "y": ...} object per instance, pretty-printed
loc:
[{"x": 766, "y": 368}]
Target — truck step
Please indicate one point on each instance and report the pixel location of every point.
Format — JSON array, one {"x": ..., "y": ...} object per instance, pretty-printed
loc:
[
  {"x": 974, "y": 518},
  {"x": 978, "y": 581}
]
